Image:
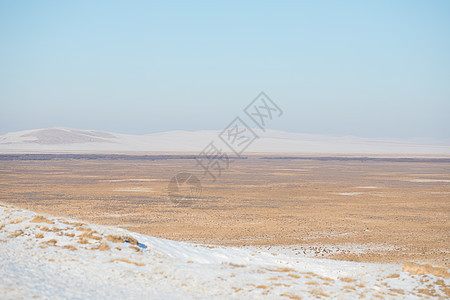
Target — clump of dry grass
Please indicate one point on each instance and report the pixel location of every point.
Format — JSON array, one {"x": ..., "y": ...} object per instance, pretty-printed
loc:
[
  {"x": 51, "y": 242},
  {"x": 16, "y": 233},
  {"x": 281, "y": 270},
  {"x": 90, "y": 235},
  {"x": 291, "y": 296},
  {"x": 104, "y": 247},
  {"x": 83, "y": 228},
  {"x": 131, "y": 240},
  {"x": 114, "y": 238},
  {"x": 319, "y": 292},
  {"x": 398, "y": 291},
  {"x": 418, "y": 269},
  {"x": 236, "y": 265},
  {"x": 45, "y": 228},
  {"x": 137, "y": 249},
  {"x": 122, "y": 239},
  {"x": 310, "y": 273},
  {"x": 83, "y": 241},
  {"x": 128, "y": 261},
  {"x": 325, "y": 278},
  {"x": 72, "y": 224},
  {"x": 262, "y": 287},
  {"x": 208, "y": 246},
  {"x": 70, "y": 247},
  {"x": 41, "y": 219},
  {"x": 429, "y": 291},
  {"x": 16, "y": 221},
  {"x": 39, "y": 235}
]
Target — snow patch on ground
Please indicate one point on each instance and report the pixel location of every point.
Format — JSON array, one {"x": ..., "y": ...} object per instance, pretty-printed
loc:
[
  {"x": 428, "y": 180},
  {"x": 59, "y": 258},
  {"x": 132, "y": 180},
  {"x": 350, "y": 194}
]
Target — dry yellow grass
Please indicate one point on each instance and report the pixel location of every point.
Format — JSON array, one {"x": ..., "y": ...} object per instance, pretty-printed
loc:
[
  {"x": 114, "y": 238},
  {"x": 16, "y": 233},
  {"x": 319, "y": 292},
  {"x": 131, "y": 240},
  {"x": 83, "y": 241},
  {"x": 291, "y": 296},
  {"x": 104, "y": 247},
  {"x": 237, "y": 266},
  {"x": 70, "y": 247},
  {"x": 425, "y": 269},
  {"x": 89, "y": 235},
  {"x": 128, "y": 261},
  {"x": 41, "y": 219},
  {"x": 137, "y": 249},
  {"x": 16, "y": 221},
  {"x": 256, "y": 202},
  {"x": 280, "y": 269},
  {"x": 51, "y": 242},
  {"x": 46, "y": 229},
  {"x": 262, "y": 286}
]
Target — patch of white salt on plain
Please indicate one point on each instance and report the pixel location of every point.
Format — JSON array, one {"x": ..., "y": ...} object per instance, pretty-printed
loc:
[
  {"x": 350, "y": 194},
  {"x": 427, "y": 180},
  {"x": 366, "y": 187},
  {"x": 132, "y": 180},
  {"x": 437, "y": 193}
]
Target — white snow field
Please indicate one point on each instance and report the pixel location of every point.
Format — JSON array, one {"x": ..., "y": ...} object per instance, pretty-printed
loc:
[
  {"x": 57, "y": 258},
  {"x": 62, "y": 140}
]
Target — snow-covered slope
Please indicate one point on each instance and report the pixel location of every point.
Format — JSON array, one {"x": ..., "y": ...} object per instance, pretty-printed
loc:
[
  {"x": 63, "y": 140},
  {"x": 57, "y": 258}
]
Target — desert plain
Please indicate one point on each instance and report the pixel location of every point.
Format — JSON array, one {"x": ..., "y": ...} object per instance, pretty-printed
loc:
[{"x": 358, "y": 209}]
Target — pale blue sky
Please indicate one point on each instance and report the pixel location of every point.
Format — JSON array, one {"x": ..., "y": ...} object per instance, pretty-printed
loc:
[{"x": 366, "y": 68}]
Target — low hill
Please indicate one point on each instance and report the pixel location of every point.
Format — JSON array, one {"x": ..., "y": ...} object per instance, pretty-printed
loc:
[{"x": 67, "y": 140}]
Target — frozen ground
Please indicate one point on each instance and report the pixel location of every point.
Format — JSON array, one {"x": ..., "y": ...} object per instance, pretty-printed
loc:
[{"x": 57, "y": 258}]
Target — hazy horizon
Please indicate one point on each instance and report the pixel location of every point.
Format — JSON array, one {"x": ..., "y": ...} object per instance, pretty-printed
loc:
[
  {"x": 257, "y": 130},
  {"x": 368, "y": 69}
]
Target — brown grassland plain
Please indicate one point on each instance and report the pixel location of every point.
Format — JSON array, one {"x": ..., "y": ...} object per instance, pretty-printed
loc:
[{"x": 396, "y": 211}]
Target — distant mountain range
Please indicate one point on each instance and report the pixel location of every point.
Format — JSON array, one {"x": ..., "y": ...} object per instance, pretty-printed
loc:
[{"x": 67, "y": 140}]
